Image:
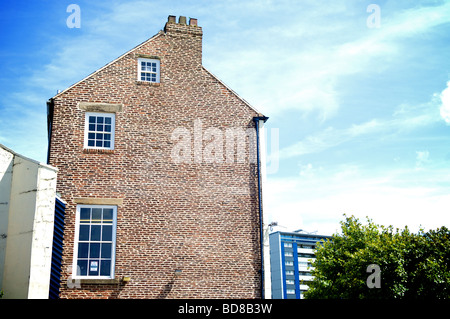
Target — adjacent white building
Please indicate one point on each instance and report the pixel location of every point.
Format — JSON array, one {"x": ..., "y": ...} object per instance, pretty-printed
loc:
[{"x": 27, "y": 207}]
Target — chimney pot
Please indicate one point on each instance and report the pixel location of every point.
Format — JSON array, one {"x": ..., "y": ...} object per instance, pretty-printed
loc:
[
  {"x": 182, "y": 20},
  {"x": 193, "y": 21},
  {"x": 171, "y": 19}
]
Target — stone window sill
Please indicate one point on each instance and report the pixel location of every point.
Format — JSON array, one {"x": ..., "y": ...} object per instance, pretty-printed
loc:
[
  {"x": 115, "y": 281},
  {"x": 148, "y": 83},
  {"x": 97, "y": 151},
  {"x": 100, "y": 281}
]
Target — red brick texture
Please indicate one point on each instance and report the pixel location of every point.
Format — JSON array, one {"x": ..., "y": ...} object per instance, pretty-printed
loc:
[{"x": 198, "y": 218}]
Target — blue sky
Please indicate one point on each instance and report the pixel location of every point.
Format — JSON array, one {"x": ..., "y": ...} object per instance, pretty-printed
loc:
[{"x": 362, "y": 113}]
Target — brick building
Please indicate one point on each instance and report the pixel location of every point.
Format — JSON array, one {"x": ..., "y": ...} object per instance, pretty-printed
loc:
[{"x": 159, "y": 168}]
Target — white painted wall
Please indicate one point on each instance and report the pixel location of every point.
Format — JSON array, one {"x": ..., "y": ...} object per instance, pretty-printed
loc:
[
  {"x": 26, "y": 219},
  {"x": 6, "y": 164}
]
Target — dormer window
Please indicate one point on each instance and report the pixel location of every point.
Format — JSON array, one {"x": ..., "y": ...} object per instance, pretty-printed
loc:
[{"x": 148, "y": 70}]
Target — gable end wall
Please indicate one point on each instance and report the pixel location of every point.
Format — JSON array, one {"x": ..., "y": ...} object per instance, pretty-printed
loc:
[{"x": 184, "y": 230}]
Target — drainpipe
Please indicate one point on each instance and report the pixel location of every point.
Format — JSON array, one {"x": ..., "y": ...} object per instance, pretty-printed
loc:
[
  {"x": 256, "y": 120},
  {"x": 50, "y": 110}
]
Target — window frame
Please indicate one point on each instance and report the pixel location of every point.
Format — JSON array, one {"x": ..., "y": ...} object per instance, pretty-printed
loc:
[
  {"x": 158, "y": 69},
  {"x": 77, "y": 240},
  {"x": 87, "y": 131}
]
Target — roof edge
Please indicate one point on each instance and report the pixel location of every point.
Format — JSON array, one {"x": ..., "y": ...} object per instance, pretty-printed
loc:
[
  {"x": 108, "y": 64},
  {"x": 281, "y": 232},
  {"x": 234, "y": 92},
  {"x": 161, "y": 32},
  {"x": 14, "y": 153}
]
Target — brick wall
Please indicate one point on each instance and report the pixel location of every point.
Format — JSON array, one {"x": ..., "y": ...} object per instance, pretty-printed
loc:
[{"x": 199, "y": 218}]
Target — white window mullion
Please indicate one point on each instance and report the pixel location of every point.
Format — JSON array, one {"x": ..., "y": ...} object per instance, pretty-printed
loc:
[
  {"x": 149, "y": 70},
  {"x": 99, "y": 130},
  {"x": 93, "y": 266}
]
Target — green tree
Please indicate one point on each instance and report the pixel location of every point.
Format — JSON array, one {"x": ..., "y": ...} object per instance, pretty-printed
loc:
[
  {"x": 428, "y": 265},
  {"x": 407, "y": 265}
]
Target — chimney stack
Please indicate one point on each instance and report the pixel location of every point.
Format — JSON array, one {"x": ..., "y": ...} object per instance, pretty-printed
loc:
[
  {"x": 189, "y": 36},
  {"x": 182, "y": 21}
]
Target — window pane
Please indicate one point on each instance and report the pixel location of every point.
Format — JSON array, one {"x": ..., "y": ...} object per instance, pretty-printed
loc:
[
  {"x": 84, "y": 232},
  {"x": 107, "y": 137},
  {"x": 106, "y": 144},
  {"x": 82, "y": 268},
  {"x": 91, "y": 119},
  {"x": 93, "y": 267},
  {"x": 107, "y": 120},
  {"x": 91, "y": 143},
  {"x": 91, "y": 127},
  {"x": 100, "y": 127},
  {"x": 107, "y": 233},
  {"x": 100, "y": 119},
  {"x": 96, "y": 215},
  {"x": 98, "y": 143},
  {"x": 94, "y": 250},
  {"x": 83, "y": 250},
  {"x": 85, "y": 215},
  {"x": 107, "y": 128},
  {"x": 107, "y": 215},
  {"x": 105, "y": 268},
  {"x": 106, "y": 250},
  {"x": 95, "y": 232}
]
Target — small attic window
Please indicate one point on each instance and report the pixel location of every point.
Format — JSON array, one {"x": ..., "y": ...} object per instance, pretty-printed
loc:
[{"x": 148, "y": 70}]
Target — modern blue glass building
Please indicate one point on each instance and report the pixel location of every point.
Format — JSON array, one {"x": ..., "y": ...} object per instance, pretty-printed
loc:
[{"x": 291, "y": 255}]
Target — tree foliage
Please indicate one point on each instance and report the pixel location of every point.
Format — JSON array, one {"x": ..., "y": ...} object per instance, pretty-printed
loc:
[{"x": 410, "y": 265}]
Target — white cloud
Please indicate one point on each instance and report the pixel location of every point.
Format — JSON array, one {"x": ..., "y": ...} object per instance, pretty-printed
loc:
[
  {"x": 417, "y": 20},
  {"x": 331, "y": 137},
  {"x": 445, "y": 107},
  {"x": 405, "y": 118},
  {"x": 307, "y": 170},
  {"x": 395, "y": 197},
  {"x": 422, "y": 158},
  {"x": 314, "y": 52}
]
